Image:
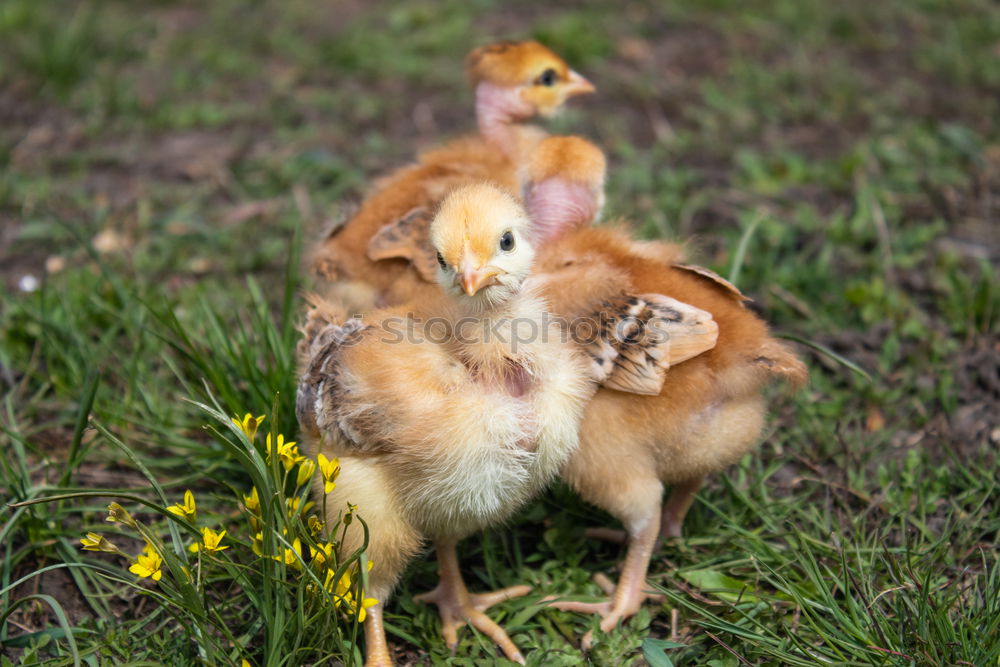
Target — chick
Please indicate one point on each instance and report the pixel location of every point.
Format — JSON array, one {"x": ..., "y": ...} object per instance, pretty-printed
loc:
[
  {"x": 564, "y": 191},
  {"x": 709, "y": 411},
  {"x": 514, "y": 82},
  {"x": 446, "y": 415}
]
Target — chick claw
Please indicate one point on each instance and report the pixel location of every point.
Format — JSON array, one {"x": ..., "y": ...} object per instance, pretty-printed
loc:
[
  {"x": 459, "y": 607},
  {"x": 612, "y": 611}
]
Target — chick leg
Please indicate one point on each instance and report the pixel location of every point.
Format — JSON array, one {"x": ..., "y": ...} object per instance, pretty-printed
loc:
[
  {"x": 671, "y": 522},
  {"x": 457, "y": 606},
  {"x": 680, "y": 501},
  {"x": 376, "y": 646},
  {"x": 628, "y": 595}
]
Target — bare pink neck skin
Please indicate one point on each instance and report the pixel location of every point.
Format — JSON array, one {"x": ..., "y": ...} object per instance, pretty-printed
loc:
[
  {"x": 498, "y": 110},
  {"x": 557, "y": 206}
]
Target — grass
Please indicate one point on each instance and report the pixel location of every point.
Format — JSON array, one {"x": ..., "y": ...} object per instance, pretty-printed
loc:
[{"x": 164, "y": 165}]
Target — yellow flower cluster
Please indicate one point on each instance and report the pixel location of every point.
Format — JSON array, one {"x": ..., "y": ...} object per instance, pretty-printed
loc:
[
  {"x": 288, "y": 452},
  {"x": 149, "y": 563},
  {"x": 344, "y": 588}
]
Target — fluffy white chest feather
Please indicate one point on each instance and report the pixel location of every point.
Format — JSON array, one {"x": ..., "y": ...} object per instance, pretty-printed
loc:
[{"x": 505, "y": 433}]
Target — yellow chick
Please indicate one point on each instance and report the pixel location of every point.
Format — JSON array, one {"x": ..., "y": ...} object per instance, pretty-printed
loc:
[{"x": 447, "y": 415}]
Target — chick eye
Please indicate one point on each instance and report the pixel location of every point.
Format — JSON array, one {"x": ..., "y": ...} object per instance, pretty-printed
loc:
[
  {"x": 548, "y": 78},
  {"x": 441, "y": 262},
  {"x": 507, "y": 241}
]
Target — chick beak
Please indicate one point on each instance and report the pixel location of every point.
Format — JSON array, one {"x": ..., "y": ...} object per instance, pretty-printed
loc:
[
  {"x": 577, "y": 85},
  {"x": 474, "y": 279}
]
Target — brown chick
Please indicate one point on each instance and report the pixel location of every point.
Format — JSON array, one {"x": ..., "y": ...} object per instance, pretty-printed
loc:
[
  {"x": 514, "y": 82},
  {"x": 445, "y": 416},
  {"x": 710, "y": 410}
]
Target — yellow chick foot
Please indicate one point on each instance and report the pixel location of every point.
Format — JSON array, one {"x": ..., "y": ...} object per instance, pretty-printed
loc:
[
  {"x": 459, "y": 607},
  {"x": 625, "y": 598},
  {"x": 376, "y": 647}
]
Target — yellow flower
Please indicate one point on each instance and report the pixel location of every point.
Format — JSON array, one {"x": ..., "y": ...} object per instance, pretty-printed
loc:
[
  {"x": 210, "y": 541},
  {"x": 245, "y": 663},
  {"x": 342, "y": 588},
  {"x": 306, "y": 470},
  {"x": 352, "y": 605},
  {"x": 148, "y": 564},
  {"x": 293, "y": 506},
  {"x": 95, "y": 542},
  {"x": 252, "y": 502},
  {"x": 367, "y": 602},
  {"x": 186, "y": 510},
  {"x": 248, "y": 424},
  {"x": 315, "y": 525},
  {"x": 343, "y": 585},
  {"x": 286, "y": 451},
  {"x": 293, "y": 556},
  {"x": 118, "y": 514},
  {"x": 330, "y": 469},
  {"x": 252, "y": 505},
  {"x": 322, "y": 554},
  {"x": 258, "y": 544}
]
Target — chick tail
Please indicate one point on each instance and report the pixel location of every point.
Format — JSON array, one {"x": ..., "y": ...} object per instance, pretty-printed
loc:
[{"x": 780, "y": 361}]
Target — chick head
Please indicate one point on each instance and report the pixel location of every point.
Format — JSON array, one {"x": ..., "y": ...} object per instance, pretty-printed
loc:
[
  {"x": 542, "y": 79},
  {"x": 481, "y": 235},
  {"x": 563, "y": 184}
]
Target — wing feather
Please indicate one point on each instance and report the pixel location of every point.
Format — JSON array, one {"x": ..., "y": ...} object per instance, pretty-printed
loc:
[
  {"x": 407, "y": 238},
  {"x": 714, "y": 278},
  {"x": 637, "y": 338},
  {"x": 323, "y": 403}
]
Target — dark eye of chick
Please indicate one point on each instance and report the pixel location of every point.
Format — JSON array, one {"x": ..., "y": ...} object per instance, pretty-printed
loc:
[
  {"x": 441, "y": 262},
  {"x": 548, "y": 78},
  {"x": 507, "y": 241}
]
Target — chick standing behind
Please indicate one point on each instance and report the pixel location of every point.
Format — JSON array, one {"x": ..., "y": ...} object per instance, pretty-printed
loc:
[
  {"x": 710, "y": 410},
  {"x": 514, "y": 82}
]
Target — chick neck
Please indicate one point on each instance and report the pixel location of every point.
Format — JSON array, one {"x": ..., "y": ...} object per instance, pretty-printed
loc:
[
  {"x": 499, "y": 111},
  {"x": 556, "y": 206},
  {"x": 482, "y": 307},
  {"x": 492, "y": 343}
]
